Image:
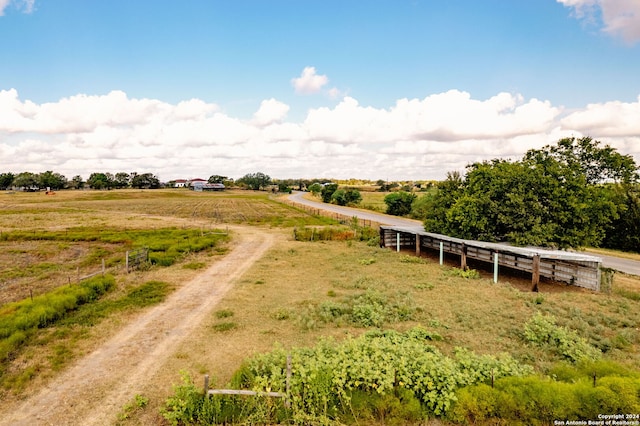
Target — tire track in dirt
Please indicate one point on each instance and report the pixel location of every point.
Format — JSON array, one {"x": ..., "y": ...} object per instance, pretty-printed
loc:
[{"x": 93, "y": 391}]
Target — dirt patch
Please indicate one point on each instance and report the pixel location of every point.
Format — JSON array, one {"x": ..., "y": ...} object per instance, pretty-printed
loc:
[{"x": 93, "y": 391}]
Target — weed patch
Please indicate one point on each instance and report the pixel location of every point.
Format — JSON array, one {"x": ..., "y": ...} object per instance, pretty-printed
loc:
[{"x": 390, "y": 376}]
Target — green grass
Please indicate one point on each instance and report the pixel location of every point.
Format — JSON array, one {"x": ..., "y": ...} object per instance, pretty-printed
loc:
[{"x": 58, "y": 334}]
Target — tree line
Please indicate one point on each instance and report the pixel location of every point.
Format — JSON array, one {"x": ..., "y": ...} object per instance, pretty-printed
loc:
[
  {"x": 55, "y": 181},
  {"x": 569, "y": 195}
]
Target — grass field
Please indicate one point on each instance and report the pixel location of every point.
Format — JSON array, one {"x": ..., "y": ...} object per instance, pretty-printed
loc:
[{"x": 297, "y": 294}]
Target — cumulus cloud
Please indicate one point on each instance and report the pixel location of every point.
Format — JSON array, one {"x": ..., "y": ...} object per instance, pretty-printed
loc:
[
  {"x": 411, "y": 139},
  {"x": 620, "y": 18},
  {"x": 270, "y": 111},
  {"x": 309, "y": 82},
  {"x": 611, "y": 119}
]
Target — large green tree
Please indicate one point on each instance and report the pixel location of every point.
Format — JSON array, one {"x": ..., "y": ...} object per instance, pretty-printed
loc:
[
  {"x": 255, "y": 181},
  {"x": 145, "y": 180},
  {"x": 562, "y": 196},
  {"x": 122, "y": 180},
  {"x": 346, "y": 197},
  {"x": 52, "y": 180},
  {"x": 327, "y": 191},
  {"x": 25, "y": 180},
  {"x": 100, "y": 180},
  {"x": 6, "y": 180},
  {"x": 399, "y": 203}
]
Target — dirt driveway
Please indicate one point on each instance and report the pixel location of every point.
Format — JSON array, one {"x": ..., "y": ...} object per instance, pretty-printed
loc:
[{"x": 94, "y": 390}]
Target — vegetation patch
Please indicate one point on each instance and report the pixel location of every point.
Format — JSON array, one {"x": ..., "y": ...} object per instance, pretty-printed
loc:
[
  {"x": 369, "y": 309},
  {"x": 224, "y": 326},
  {"x": 19, "y": 319},
  {"x": 577, "y": 395},
  {"x": 542, "y": 331},
  {"x": 377, "y": 371},
  {"x": 335, "y": 233}
]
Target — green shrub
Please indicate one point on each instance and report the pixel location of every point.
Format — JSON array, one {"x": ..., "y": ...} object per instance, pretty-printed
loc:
[
  {"x": 383, "y": 376},
  {"x": 537, "y": 400},
  {"x": 542, "y": 331}
]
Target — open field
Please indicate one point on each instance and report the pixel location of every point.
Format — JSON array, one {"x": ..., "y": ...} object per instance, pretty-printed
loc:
[{"x": 296, "y": 294}]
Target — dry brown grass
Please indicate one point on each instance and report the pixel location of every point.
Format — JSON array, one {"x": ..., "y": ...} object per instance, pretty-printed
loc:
[{"x": 475, "y": 314}]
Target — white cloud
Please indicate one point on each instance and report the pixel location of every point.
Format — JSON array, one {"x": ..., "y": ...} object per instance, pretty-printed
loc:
[
  {"x": 270, "y": 111},
  {"x": 3, "y": 6},
  {"x": 411, "y": 139},
  {"x": 620, "y": 18},
  {"x": 309, "y": 82},
  {"x": 25, "y": 6}
]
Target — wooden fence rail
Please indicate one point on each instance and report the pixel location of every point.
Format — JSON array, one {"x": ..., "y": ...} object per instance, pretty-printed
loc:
[{"x": 285, "y": 395}]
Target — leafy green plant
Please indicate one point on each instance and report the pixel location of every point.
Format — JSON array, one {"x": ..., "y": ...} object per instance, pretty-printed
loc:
[
  {"x": 468, "y": 273},
  {"x": 139, "y": 402},
  {"x": 573, "y": 395},
  {"x": 369, "y": 309},
  {"x": 542, "y": 331},
  {"x": 382, "y": 375}
]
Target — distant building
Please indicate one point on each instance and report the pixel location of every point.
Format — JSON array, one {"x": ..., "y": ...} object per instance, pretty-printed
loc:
[
  {"x": 180, "y": 183},
  {"x": 197, "y": 181},
  {"x": 213, "y": 187}
]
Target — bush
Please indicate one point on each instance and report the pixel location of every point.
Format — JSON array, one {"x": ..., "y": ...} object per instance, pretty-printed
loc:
[
  {"x": 543, "y": 331},
  {"x": 399, "y": 203},
  {"x": 382, "y": 375},
  {"x": 537, "y": 400}
]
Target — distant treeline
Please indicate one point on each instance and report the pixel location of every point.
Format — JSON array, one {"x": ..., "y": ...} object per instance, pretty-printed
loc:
[{"x": 28, "y": 181}]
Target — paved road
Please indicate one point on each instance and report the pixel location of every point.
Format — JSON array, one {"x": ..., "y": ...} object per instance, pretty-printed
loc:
[{"x": 627, "y": 266}]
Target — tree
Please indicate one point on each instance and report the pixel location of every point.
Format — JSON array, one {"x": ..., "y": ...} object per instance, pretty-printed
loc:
[
  {"x": 624, "y": 232},
  {"x": 255, "y": 181},
  {"x": 327, "y": 191},
  {"x": 25, "y": 180},
  {"x": 217, "y": 179},
  {"x": 146, "y": 181},
  {"x": 100, "y": 181},
  {"x": 555, "y": 196},
  {"x": 122, "y": 180},
  {"x": 6, "y": 180},
  {"x": 399, "y": 203},
  {"x": 51, "y": 180},
  {"x": 77, "y": 182},
  {"x": 585, "y": 156},
  {"x": 315, "y": 189},
  {"x": 346, "y": 197}
]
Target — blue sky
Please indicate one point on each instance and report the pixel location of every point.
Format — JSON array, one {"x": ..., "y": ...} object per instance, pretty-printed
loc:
[{"x": 392, "y": 89}]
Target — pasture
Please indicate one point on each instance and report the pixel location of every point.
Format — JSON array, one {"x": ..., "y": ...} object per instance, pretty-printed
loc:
[{"x": 296, "y": 295}]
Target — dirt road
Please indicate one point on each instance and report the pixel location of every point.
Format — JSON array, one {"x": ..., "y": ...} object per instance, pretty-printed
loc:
[{"x": 93, "y": 391}]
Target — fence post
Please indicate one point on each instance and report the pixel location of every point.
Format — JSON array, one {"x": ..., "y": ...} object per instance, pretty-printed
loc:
[
  {"x": 441, "y": 253},
  {"x": 126, "y": 261},
  {"x": 206, "y": 386},
  {"x": 287, "y": 401},
  {"x": 397, "y": 241},
  {"x": 103, "y": 267},
  {"x": 535, "y": 274},
  {"x": 463, "y": 257},
  {"x": 495, "y": 267}
]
